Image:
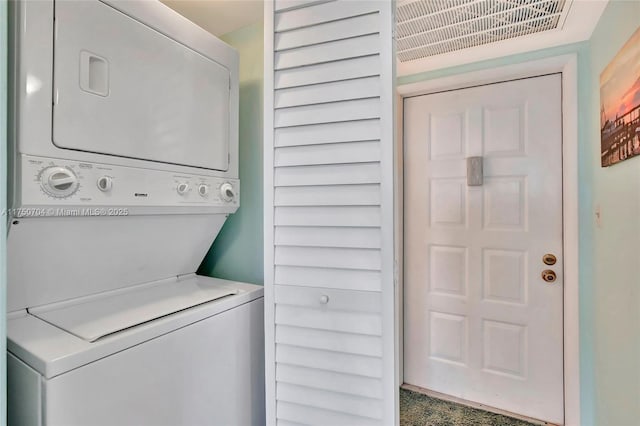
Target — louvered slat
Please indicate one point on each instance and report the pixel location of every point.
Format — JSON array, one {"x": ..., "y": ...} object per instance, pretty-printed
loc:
[
  {"x": 356, "y": 216},
  {"x": 323, "y": 257},
  {"x": 328, "y": 52},
  {"x": 353, "y": 152},
  {"x": 347, "y": 322},
  {"x": 351, "y": 279},
  {"x": 335, "y": 195},
  {"x": 328, "y": 380},
  {"x": 359, "y": 109},
  {"x": 356, "y": 344},
  {"x": 365, "y": 66},
  {"x": 350, "y": 131},
  {"x": 334, "y": 174},
  {"x": 306, "y": 236},
  {"x": 284, "y": 5},
  {"x": 330, "y": 361},
  {"x": 331, "y": 31},
  {"x": 342, "y": 402},
  {"x": 317, "y": 416},
  {"x": 368, "y": 87},
  {"x": 322, "y": 13}
]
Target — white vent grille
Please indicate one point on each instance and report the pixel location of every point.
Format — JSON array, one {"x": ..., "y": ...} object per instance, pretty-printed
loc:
[{"x": 433, "y": 27}]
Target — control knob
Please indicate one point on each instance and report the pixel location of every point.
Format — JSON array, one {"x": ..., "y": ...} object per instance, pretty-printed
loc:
[
  {"x": 59, "y": 182},
  {"x": 227, "y": 192}
]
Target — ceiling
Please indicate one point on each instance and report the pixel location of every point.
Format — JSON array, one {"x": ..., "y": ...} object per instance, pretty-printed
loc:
[{"x": 219, "y": 16}]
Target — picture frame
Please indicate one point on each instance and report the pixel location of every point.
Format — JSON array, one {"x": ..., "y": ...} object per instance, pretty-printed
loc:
[{"x": 620, "y": 105}]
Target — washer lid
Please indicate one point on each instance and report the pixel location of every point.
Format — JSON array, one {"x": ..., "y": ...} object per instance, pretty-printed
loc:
[{"x": 97, "y": 316}]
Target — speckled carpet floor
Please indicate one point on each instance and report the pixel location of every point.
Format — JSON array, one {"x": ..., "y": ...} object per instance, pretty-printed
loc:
[{"x": 417, "y": 409}]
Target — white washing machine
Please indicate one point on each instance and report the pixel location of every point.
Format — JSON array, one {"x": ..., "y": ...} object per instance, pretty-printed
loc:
[{"x": 124, "y": 162}]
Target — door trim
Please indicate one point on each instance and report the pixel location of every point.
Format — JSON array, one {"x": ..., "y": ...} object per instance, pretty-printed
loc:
[{"x": 568, "y": 66}]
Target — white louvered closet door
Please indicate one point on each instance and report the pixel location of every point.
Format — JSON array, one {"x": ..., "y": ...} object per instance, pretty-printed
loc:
[{"x": 329, "y": 277}]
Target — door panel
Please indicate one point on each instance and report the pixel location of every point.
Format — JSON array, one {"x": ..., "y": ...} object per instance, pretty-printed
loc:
[{"x": 480, "y": 322}]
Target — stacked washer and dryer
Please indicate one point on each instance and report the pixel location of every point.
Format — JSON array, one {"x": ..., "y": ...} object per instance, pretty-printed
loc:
[{"x": 124, "y": 160}]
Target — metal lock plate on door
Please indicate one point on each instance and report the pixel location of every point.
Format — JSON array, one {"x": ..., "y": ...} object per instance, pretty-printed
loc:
[{"x": 475, "y": 174}]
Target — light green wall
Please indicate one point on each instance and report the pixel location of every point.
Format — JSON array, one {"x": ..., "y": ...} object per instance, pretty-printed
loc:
[
  {"x": 616, "y": 272},
  {"x": 3, "y": 207},
  {"x": 237, "y": 253},
  {"x": 579, "y": 48}
]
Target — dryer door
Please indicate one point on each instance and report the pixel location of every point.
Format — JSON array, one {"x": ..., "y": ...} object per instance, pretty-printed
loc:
[{"x": 122, "y": 88}]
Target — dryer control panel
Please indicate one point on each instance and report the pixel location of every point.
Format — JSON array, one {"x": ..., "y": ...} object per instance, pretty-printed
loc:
[{"x": 63, "y": 183}]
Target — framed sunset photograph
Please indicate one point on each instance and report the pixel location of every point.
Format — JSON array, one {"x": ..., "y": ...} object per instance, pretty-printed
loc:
[{"x": 620, "y": 105}]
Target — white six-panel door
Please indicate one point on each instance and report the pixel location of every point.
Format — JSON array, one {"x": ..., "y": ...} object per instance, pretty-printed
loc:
[
  {"x": 480, "y": 322},
  {"x": 329, "y": 289}
]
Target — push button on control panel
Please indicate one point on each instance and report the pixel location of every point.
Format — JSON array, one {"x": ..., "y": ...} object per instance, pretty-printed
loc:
[
  {"x": 203, "y": 190},
  {"x": 104, "y": 183},
  {"x": 182, "y": 188}
]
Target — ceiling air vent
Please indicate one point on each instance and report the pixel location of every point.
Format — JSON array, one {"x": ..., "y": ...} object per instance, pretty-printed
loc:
[{"x": 432, "y": 27}]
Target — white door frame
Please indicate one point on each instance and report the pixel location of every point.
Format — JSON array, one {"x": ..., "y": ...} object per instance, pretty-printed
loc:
[{"x": 568, "y": 66}]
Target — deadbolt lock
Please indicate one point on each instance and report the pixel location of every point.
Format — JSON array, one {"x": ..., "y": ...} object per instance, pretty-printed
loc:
[
  {"x": 549, "y": 259},
  {"x": 548, "y": 276}
]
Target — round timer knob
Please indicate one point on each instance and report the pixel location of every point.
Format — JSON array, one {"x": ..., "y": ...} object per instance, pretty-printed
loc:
[
  {"x": 59, "y": 181},
  {"x": 227, "y": 192}
]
